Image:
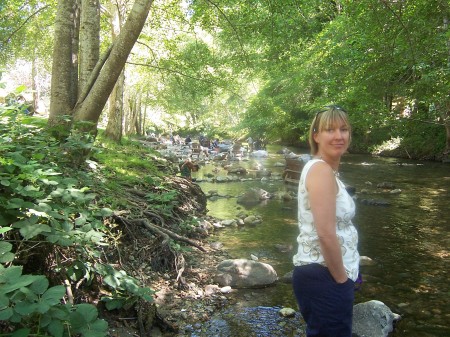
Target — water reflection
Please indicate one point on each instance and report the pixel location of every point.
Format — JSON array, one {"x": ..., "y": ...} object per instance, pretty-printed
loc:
[{"x": 408, "y": 239}]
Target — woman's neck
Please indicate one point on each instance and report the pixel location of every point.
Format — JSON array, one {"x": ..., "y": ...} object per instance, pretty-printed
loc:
[{"x": 333, "y": 163}]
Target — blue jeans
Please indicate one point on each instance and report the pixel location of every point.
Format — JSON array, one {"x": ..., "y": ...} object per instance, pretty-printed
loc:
[{"x": 326, "y": 306}]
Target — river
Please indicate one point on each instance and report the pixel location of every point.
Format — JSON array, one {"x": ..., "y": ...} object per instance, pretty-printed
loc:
[{"x": 407, "y": 237}]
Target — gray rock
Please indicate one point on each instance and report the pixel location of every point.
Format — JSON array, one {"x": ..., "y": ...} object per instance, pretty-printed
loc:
[
  {"x": 373, "y": 319},
  {"x": 244, "y": 273}
]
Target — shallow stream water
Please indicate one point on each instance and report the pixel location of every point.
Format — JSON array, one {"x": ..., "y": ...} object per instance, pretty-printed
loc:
[{"x": 408, "y": 239}]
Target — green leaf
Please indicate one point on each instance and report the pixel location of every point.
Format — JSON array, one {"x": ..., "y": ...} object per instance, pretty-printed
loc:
[
  {"x": 10, "y": 274},
  {"x": 25, "y": 332},
  {"x": 29, "y": 228},
  {"x": 32, "y": 231},
  {"x": 54, "y": 294},
  {"x": 88, "y": 311},
  {"x": 7, "y": 257},
  {"x": 5, "y": 247},
  {"x": 96, "y": 329},
  {"x": 39, "y": 286},
  {"x": 5, "y": 182},
  {"x": 61, "y": 312},
  {"x": 115, "y": 303},
  {"x": 56, "y": 328},
  {"x": 4, "y": 229},
  {"x": 28, "y": 294},
  {"x": 15, "y": 203},
  {"x": 80, "y": 221},
  {"x": 25, "y": 308},
  {"x": 6, "y": 314},
  {"x": 43, "y": 307},
  {"x": 106, "y": 212},
  {"x": 4, "y": 301},
  {"x": 17, "y": 283}
]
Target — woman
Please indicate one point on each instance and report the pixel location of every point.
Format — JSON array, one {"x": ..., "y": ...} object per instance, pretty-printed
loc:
[{"x": 327, "y": 261}]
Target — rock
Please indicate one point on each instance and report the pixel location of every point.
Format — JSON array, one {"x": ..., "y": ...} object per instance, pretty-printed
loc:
[
  {"x": 254, "y": 257},
  {"x": 373, "y": 202},
  {"x": 237, "y": 170},
  {"x": 263, "y": 173},
  {"x": 373, "y": 318},
  {"x": 259, "y": 154},
  {"x": 216, "y": 245},
  {"x": 250, "y": 220},
  {"x": 366, "y": 261},
  {"x": 386, "y": 185},
  {"x": 287, "y": 312},
  {"x": 243, "y": 273},
  {"x": 230, "y": 222},
  {"x": 225, "y": 290},
  {"x": 211, "y": 289},
  {"x": 253, "y": 196}
]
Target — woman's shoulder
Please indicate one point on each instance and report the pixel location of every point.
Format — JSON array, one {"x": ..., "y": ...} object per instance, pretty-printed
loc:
[
  {"x": 312, "y": 162},
  {"x": 318, "y": 171}
]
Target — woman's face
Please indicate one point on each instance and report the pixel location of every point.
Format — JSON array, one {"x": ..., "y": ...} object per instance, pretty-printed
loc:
[{"x": 334, "y": 140}]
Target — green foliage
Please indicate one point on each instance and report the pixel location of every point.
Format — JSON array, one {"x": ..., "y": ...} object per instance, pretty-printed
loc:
[
  {"x": 126, "y": 290},
  {"x": 25, "y": 30},
  {"x": 126, "y": 161},
  {"x": 27, "y": 302},
  {"x": 164, "y": 202},
  {"x": 42, "y": 204},
  {"x": 366, "y": 56}
]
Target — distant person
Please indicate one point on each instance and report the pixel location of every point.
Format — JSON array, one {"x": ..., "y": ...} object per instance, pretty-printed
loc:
[
  {"x": 188, "y": 140},
  {"x": 215, "y": 146},
  {"x": 327, "y": 261},
  {"x": 250, "y": 144},
  {"x": 187, "y": 168}
]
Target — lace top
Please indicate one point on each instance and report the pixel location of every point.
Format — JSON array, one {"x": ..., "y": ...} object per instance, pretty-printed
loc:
[{"x": 308, "y": 241}]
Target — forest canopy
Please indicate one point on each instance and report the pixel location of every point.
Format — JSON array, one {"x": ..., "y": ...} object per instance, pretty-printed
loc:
[{"x": 235, "y": 68}]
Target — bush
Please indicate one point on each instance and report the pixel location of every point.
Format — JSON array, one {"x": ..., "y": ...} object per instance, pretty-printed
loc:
[{"x": 53, "y": 228}]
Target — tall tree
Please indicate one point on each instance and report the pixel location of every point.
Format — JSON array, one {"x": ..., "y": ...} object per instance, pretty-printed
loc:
[
  {"x": 103, "y": 78},
  {"x": 64, "y": 79},
  {"x": 114, "y": 127}
]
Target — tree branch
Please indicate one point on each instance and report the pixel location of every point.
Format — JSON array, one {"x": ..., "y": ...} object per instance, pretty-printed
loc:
[{"x": 24, "y": 23}]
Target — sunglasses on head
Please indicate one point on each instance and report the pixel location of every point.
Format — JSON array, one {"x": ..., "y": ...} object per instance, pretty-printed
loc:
[
  {"x": 332, "y": 108},
  {"x": 328, "y": 107}
]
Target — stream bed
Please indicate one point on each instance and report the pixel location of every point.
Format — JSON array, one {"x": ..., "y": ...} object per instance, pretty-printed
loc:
[{"x": 406, "y": 234}]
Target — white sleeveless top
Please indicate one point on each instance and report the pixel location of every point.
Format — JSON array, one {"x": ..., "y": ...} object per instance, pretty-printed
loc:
[{"x": 308, "y": 241}]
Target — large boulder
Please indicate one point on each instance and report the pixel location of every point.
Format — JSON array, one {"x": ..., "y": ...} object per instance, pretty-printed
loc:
[
  {"x": 253, "y": 196},
  {"x": 373, "y": 319},
  {"x": 243, "y": 273}
]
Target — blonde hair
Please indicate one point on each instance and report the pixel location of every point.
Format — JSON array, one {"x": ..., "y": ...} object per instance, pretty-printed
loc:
[{"x": 325, "y": 119}]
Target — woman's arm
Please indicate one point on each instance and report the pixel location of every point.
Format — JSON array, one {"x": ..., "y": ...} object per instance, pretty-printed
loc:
[{"x": 322, "y": 188}]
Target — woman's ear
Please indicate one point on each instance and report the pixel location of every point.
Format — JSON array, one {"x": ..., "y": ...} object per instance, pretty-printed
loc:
[{"x": 316, "y": 137}]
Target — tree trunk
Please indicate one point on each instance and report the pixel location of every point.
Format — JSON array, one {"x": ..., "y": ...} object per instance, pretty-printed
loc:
[
  {"x": 64, "y": 62},
  {"x": 446, "y": 113},
  {"x": 89, "y": 40},
  {"x": 114, "y": 128},
  {"x": 447, "y": 129},
  {"x": 132, "y": 117},
  {"x": 138, "y": 114},
  {"x": 34, "y": 86},
  {"x": 89, "y": 108},
  {"x": 115, "y": 115}
]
